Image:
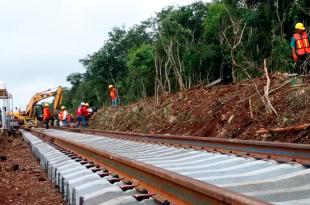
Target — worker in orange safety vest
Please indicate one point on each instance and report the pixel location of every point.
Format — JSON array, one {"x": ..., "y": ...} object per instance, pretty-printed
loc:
[
  {"x": 114, "y": 95},
  {"x": 46, "y": 115},
  {"x": 81, "y": 113},
  {"x": 300, "y": 47}
]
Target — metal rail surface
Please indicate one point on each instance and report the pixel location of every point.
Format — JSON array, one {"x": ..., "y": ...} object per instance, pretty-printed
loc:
[
  {"x": 188, "y": 176},
  {"x": 280, "y": 152},
  {"x": 79, "y": 182}
]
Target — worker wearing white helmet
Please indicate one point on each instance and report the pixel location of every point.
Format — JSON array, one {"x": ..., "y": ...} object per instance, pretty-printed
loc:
[
  {"x": 81, "y": 115},
  {"x": 63, "y": 116}
]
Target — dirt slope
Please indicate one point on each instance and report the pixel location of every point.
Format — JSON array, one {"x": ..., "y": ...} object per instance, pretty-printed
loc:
[
  {"x": 22, "y": 181},
  {"x": 220, "y": 111}
]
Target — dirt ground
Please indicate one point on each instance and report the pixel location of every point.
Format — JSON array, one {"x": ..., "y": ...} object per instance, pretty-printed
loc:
[
  {"x": 22, "y": 181},
  {"x": 234, "y": 111}
]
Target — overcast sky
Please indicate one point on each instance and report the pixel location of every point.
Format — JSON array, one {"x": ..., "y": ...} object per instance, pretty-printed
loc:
[{"x": 41, "y": 41}]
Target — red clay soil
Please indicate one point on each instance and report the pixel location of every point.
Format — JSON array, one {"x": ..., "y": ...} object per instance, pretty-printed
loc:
[
  {"x": 22, "y": 181},
  {"x": 222, "y": 111}
]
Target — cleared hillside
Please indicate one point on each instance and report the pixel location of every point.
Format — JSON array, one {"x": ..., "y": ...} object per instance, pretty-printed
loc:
[{"x": 224, "y": 111}]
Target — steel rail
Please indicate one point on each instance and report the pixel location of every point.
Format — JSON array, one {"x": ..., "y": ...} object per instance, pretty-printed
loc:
[
  {"x": 281, "y": 152},
  {"x": 176, "y": 188}
]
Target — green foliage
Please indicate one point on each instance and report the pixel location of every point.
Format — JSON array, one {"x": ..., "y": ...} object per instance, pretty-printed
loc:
[
  {"x": 188, "y": 45},
  {"x": 280, "y": 56},
  {"x": 180, "y": 45},
  {"x": 213, "y": 20},
  {"x": 140, "y": 80}
]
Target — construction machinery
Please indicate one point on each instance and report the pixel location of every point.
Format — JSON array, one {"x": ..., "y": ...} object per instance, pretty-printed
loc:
[
  {"x": 5, "y": 106},
  {"x": 33, "y": 113}
]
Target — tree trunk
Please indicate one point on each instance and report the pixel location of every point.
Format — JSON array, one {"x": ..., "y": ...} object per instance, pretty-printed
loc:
[
  {"x": 167, "y": 76},
  {"x": 233, "y": 66},
  {"x": 175, "y": 66}
]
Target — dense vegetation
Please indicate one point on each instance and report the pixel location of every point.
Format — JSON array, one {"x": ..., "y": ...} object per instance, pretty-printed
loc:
[{"x": 184, "y": 46}]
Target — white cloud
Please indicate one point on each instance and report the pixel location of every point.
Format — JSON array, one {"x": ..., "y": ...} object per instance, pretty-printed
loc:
[{"x": 21, "y": 93}]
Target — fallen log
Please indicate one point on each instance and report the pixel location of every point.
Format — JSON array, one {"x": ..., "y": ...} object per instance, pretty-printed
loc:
[
  {"x": 284, "y": 129},
  {"x": 214, "y": 83}
]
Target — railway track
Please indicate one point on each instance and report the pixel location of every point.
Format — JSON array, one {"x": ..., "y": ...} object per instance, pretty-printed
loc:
[
  {"x": 280, "y": 152},
  {"x": 193, "y": 171}
]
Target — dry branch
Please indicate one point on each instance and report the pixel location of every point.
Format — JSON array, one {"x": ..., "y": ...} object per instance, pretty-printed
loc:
[
  {"x": 271, "y": 91},
  {"x": 250, "y": 105},
  {"x": 284, "y": 129},
  {"x": 215, "y": 82},
  {"x": 269, "y": 108}
]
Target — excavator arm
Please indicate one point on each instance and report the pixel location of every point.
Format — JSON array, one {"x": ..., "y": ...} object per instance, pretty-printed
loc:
[
  {"x": 58, "y": 98},
  {"x": 43, "y": 95},
  {"x": 28, "y": 117}
]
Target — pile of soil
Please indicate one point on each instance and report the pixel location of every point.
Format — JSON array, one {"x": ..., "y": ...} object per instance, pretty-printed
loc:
[
  {"x": 22, "y": 181},
  {"x": 223, "y": 111}
]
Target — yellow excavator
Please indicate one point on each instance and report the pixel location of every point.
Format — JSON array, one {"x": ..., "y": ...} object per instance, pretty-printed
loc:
[{"x": 33, "y": 113}]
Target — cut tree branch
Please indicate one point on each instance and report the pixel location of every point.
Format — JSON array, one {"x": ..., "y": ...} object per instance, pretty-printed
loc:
[
  {"x": 284, "y": 129},
  {"x": 267, "y": 102},
  {"x": 240, "y": 38}
]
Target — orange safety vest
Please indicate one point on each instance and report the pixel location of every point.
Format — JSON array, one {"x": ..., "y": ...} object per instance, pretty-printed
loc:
[
  {"x": 302, "y": 43},
  {"x": 113, "y": 93},
  {"x": 46, "y": 113},
  {"x": 79, "y": 111},
  {"x": 60, "y": 115}
]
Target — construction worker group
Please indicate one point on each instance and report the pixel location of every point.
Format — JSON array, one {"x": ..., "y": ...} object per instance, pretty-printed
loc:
[
  {"x": 65, "y": 118},
  {"x": 83, "y": 112}
]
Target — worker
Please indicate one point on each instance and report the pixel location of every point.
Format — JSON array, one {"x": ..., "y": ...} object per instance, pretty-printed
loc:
[
  {"x": 63, "y": 116},
  {"x": 46, "y": 115},
  {"x": 87, "y": 113},
  {"x": 113, "y": 94},
  {"x": 60, "y": 117},
  {"x": 300, "y": 47},
  {"x": 89, "y": 110},
  {"x": 70, "y": 120},
  {"x": 81, "y": 115}
]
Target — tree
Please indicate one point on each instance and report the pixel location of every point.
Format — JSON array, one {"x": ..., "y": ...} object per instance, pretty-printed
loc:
[
  {"x": 189, "y": 45},
  {"x": 140, "y": 80}
]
